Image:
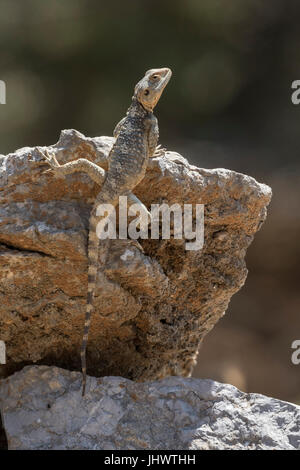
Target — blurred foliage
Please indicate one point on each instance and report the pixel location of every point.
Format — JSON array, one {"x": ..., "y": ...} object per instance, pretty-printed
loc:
[{"x": 75, "y": 63}]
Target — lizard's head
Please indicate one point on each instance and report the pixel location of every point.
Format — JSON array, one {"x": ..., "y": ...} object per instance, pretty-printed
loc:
[{"x": 149, "y": 89}]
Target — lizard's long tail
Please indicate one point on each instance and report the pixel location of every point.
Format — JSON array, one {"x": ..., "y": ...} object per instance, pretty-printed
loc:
[
  {"x": 107, "y": 195},
  {"x": 93, "y": 246}
]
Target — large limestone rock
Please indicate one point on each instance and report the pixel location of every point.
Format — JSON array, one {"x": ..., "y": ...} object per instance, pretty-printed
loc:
[
  {"x": 42, "y": 408},
  {"x": 155, "y": 307}
]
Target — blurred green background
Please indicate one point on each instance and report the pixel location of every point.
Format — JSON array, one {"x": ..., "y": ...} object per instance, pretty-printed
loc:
[{"x": 74, "y": 63}]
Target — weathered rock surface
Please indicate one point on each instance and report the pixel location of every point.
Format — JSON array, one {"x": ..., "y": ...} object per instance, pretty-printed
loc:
[
  {"x": 42, "y": 408},
  {"x": 155, "y": 307}
]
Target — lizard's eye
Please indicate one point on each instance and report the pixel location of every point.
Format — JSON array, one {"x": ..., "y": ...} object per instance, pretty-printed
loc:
[
  {"x": 155, "y": 77},
  {"x": 146, "y": 92}
]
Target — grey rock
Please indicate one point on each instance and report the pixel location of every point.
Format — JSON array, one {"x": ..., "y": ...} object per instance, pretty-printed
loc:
[
  {"x": 42, "y": 408},
  {"x": 154, "y": 307}
]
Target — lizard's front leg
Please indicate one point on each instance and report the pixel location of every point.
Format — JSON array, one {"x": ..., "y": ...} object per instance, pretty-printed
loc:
[
  {"x": 153, "y": 136},
  {"x": 95, "y": 172},
  {"x": 159, "y": 151}
]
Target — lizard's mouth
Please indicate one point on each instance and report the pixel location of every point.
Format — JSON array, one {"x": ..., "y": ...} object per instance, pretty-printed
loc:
[
  {"x": 155, "y": 82},
  {"x": 167, "y": 74}
]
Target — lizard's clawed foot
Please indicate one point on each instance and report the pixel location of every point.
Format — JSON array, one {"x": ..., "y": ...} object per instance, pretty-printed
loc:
[
  {"x": 159, "y": 151},
  {"x": 51, "y": 160}
]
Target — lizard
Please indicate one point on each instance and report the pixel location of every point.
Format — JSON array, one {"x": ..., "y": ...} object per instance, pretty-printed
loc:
[{"x": 136, "y": 140}]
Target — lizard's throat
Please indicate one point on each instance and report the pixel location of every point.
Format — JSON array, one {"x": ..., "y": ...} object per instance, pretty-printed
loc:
[{"x": 138, "y": 109}]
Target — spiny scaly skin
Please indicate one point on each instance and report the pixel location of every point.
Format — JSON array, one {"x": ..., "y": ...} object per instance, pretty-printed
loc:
[{"x": 136, "y": 141}]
